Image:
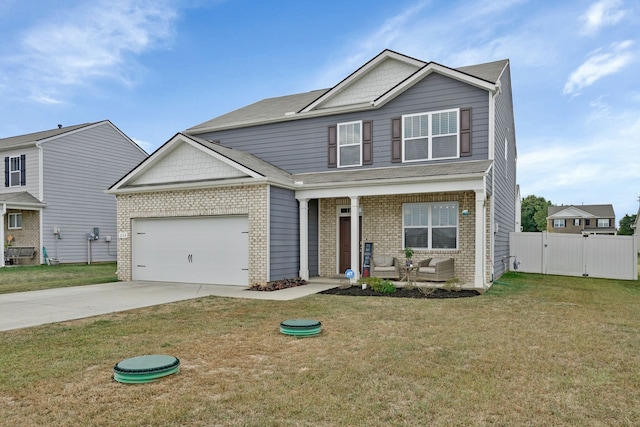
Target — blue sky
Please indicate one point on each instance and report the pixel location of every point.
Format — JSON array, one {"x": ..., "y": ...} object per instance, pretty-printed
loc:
[{"x": 157, "y": 67}]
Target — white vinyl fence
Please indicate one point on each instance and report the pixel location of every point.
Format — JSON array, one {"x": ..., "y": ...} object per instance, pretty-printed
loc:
[{"x": 611, "y": 257}]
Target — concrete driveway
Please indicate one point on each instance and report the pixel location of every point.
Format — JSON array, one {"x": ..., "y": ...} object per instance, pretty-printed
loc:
[{"x": 25, "y": 309}]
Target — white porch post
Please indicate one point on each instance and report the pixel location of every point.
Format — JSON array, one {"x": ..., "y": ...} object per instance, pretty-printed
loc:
[
  {"x": 2, "y": 214},
  {"x": 479, "y": 278},
  {"x": 304, "y": 238},
  {"x": 355, "y": 236}
]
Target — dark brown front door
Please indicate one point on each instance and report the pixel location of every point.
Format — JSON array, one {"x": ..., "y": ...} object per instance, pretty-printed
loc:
[{"x": 345, "y": 244}]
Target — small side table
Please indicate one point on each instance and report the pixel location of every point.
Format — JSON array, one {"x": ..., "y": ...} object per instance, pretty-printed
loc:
[{"x": 406, "y": 272}]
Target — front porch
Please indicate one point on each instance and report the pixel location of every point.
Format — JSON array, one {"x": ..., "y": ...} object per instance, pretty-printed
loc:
[{"x": 20, "y": 227}]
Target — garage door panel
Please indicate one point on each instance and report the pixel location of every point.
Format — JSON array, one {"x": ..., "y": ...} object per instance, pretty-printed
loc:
[{"x": 192, "y": 250}]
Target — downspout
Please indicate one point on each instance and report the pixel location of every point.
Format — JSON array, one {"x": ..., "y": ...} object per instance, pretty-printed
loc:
[
  {"x": 41, "y": 198},
  {"x": 3, "y": 213}
]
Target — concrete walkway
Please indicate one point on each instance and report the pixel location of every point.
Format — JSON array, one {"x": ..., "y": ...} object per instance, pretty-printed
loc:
[{"x": 25, "y": 309}]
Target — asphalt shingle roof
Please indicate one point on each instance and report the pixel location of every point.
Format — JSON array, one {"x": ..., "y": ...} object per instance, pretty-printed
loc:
[{"x": 32, "y": 138}]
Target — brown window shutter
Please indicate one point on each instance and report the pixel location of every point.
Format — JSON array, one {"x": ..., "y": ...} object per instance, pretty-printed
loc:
[
  {"x": 333, "y": 147},
  {"x": 367, "y": 143},
  {"x": 465, "y": 132},
  {"x": 396, "y": 140}
]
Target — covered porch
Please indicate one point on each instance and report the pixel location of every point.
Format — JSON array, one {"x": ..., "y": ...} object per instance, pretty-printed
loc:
[
  {"x": 374, "y": 205},
  {"x": 21, "y": 229}
]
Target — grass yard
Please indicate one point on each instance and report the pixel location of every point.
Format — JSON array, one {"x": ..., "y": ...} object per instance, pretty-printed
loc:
[
  {"x": 542, "y": 350},
  {"x": 33, "y": 278}
]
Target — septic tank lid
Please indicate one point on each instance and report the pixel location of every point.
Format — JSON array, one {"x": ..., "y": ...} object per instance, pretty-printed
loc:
[{"x": 145, "y": 368}]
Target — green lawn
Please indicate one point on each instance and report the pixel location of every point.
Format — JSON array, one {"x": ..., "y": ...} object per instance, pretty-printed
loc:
[
  {"x": 537, "y": 350},
  {"x": 32, "y": 278}
]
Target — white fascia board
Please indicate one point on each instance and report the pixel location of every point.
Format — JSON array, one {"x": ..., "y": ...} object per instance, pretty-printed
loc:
[
  {"x": 386, "y": 187},
  {"x": 425, "y": 71},
  {"x": 25, "y": 206},
  {"x": 571, "y": 212}
]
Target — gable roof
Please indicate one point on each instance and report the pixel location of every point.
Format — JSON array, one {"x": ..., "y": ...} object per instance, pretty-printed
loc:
[
  {"x": 52, "y": 134},
  {"x": 371, "y": 86},
  {"x": 215, "y": 163},
  {"x": 581, "y": 211}
]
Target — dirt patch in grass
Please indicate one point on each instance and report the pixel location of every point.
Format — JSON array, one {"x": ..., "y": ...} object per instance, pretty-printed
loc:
[{"x": 356, "y": 291}]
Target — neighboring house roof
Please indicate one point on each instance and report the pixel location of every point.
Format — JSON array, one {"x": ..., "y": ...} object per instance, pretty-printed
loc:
[
  {"x": 580, "y": 211},
  {"x": 52, "y": 134},
  {"x": 32, "y": 138},
  {"x": 20, "y": 199},
  {"x": 384, "y": 77}
]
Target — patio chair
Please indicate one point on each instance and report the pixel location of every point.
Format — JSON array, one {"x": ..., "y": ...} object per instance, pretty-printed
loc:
[
  {"x": 385, "y": 267},
  {"x": 435, "y": 269}
]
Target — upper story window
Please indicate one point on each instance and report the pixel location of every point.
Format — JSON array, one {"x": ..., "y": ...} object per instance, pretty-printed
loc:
[
  {"x": 603, "y": 222},
  {"x": 430, "y": 136},
  {"x": 14, "y": 171},
  {"x": 430, "y": 225},
  {"x": 558, "y": 223},
  {"x": 349, "y": 144}
]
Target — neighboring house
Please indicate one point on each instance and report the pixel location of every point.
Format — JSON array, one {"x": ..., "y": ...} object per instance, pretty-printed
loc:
[
  {"x": 401, "y": 153},
  {"x": 582, "y": 219},
  {"x": 636, "y": 228},
  {"x": 54, "y": 191}
]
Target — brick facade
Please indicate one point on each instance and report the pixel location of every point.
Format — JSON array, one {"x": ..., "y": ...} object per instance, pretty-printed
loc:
[
  {"x": 237, "y": 200},
  {"x": 382, "y": 225}
]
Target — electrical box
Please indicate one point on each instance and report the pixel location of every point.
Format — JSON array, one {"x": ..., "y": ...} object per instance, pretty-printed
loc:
[
  {"x": 107, "y": 239},
  {"x": 96, "y": 233}
]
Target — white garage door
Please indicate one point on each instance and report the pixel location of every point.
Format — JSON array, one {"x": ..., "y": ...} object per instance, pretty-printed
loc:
[{"x": 192, "y": 250}]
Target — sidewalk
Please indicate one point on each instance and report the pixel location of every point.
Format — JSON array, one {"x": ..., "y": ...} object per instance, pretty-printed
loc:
[{"x": 25, "y": 309}]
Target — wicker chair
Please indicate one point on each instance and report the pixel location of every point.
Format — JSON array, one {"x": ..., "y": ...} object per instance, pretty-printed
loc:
[
  {"x": 435, "y": 269},
  {"x": 385, "y": 267}
]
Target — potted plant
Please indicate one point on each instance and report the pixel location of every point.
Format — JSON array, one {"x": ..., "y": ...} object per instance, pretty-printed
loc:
[{"x": 408, "y": 254}]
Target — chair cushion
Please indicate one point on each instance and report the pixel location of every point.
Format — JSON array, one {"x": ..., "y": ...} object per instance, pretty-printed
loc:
[
  {"x": 383, "y": 261},
  {"x": 434, "y": 261},
  {"x": 427, "y": 270},
  {"x": 385, "y": 268}
]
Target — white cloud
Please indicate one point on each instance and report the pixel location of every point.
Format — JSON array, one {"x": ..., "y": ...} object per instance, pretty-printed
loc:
[
  {"x": 602, "y": 13},
  {"x": 91, "y": 41},
  {"x": 600, "y": 63}
]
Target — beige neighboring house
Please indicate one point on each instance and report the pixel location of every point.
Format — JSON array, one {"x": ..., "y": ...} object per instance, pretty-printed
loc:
[{"x": 582, "y": 219}]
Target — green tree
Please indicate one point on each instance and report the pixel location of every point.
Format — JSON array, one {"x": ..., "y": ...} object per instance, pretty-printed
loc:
[
  {"x": 625, "y": 225},
  {"x": 534, "y": 213}
]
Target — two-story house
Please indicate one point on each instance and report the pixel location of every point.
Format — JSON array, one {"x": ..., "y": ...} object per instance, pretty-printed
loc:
[
  {"x": 582, "y": 219},
  {"x": 54, "y": 197},
  {"x": 401, "y": 153}
]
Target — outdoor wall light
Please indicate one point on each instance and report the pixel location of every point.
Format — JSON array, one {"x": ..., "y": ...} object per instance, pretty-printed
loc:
[{"x": 465, "y": 212}]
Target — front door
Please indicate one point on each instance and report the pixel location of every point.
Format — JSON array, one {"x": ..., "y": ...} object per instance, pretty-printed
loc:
[{"x": 344, "y": 244}]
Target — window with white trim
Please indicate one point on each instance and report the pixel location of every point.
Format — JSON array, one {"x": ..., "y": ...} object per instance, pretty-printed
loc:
[
  {"x": 576, "y": 222},
  {"x": 15, "y": 169},
  {"x": 349, "y": 144},
  {"x": 15, "y": 221},
  {"x": 430, "y": 225},
  {"x": 603, "y": 222},
  {"x": 430, "y": 136},
  {"x": 558, "y": 223}
]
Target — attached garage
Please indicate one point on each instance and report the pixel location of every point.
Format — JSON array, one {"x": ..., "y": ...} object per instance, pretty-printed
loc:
[{"x": 210, "y": 249}]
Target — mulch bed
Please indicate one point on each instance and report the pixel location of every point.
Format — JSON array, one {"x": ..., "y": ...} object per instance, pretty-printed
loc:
[{"x": 357, "y": 291}]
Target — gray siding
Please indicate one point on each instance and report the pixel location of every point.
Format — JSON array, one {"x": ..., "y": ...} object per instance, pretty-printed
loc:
[
  {"x": 504, "y": 174},
  {"x": 284, "y": 231},
  {"x": 300, "y": 146},
  {"x": 77, "y": 169},
  {"x": 33, "y": 169}
]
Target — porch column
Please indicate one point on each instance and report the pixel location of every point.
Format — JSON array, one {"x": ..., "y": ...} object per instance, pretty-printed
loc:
[
  {"x": 355, "y": 236},
  {"x": 479, "y": 278},
  {"x": 2, "y": 214},
  {"x": 304, "y": 238}
]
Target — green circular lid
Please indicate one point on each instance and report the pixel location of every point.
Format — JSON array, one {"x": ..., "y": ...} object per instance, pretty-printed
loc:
[
  {"x": 300, "y": 323},
  {"x": 149, "y": 363}
]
